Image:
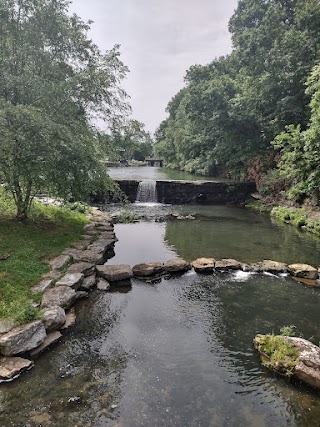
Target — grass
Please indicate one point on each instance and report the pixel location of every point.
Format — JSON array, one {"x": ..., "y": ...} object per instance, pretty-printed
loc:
[
  {"x": 299, "y": 217},
  {"x": 277, "y": 353},
  {"x": 29, "y": 246}
]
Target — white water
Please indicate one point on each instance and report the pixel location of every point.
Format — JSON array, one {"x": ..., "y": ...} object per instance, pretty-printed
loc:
[{"x": 147, "y": 192}]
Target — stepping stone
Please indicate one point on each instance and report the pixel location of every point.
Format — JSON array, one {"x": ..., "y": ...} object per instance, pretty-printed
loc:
[
  {"x": 147, "y": 269},
  {"x": 22, "y": 338},
  {"x": 203, "y": 265},
  {"x": 12, "y": 367},
  {"x": 115, "y": 273},
  {"x": 303, "y": 270},
  {"x": 72, "y": 280},
  {"x": 273, "y": 266},
  {"x": 227, "y": 264},
  {"x": 51, "y": 339},
  {"x": 176, "y": 265}
]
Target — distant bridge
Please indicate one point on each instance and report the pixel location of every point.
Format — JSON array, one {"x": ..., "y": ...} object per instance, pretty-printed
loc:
[{"x": 154, "y": 162}]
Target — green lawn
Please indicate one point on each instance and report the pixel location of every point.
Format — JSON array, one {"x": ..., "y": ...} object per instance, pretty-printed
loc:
[{"x": 29, "y": 246}]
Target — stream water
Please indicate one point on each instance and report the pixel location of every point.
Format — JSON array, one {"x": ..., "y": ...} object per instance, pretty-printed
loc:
[{"x": 179, "y": 352}]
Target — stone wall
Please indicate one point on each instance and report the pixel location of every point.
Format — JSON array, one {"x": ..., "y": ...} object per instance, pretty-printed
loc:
[{"x": 194, "y": 192}]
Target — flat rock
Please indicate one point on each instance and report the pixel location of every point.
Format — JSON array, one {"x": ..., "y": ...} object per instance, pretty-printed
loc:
[
  {"x": 103, "y": 285},
  {"x": 6, "y": 326},
  {"x": 89, "y": 256},
  {"x": 23, "y": 338},
  {"x": 227, "y": 264},
  {"x": 147, "y": 269},
  {"x": 81, "y": 245},
  {"x": 88, "y": 282},
  {"x": 60, "y": 262},
  {"x": 204, "y": 265},
  {"x": 89, "y": 227},
  {"x": 42, "y": 286},
  {"x": 85, "y": 268},
  {"x": 307, "y": 282},
  {"x": 72, "y": 280},
  {"x": 71, "y": 252},
  {"x": 273, "y": 266},
  {"x": 51, "y": 339},
  {"x": 53, "y": 318},
  {"x": 12, "y": 367},
  {"x": 176, "y": 265},
  {"x": 115, "y": 273},
  {"x": 63, "y": 296},
  {"x": 303, "y": 270},
  {"x": 70, "y": 319},
  {"x": 53, "y": 274}
]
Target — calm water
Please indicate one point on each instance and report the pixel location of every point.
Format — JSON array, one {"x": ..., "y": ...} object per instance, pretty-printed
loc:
[
  {"x": 179, "y": 352},
  {"x": 154, "y": 173}
]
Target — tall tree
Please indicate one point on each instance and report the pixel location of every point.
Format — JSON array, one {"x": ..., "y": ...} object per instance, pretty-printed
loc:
[{"x": 54, "y": 83}]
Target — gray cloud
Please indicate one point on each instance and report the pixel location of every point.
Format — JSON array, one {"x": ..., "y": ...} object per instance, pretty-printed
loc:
[{"x": 160, "y": 40}]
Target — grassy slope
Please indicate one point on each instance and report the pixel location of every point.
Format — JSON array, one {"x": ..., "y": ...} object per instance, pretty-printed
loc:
[{"x": 30, "y": 245}]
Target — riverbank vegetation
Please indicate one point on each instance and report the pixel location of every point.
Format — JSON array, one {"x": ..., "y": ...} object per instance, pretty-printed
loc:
[
  {"x": 25, "y": 250},
  {"x": 254, "y": 114}
]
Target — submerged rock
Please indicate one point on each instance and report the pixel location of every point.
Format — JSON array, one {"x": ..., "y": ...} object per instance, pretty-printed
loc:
[
  {"x": 147, "y": 269},
  {"x": 305, "y": 365},
  {"x": 204, "y": 265},
  {"x": 227, "y": 264},
  {"x": 115, "y": 273},
  {"x": 303, "y": 270},
  {"x": 176, "y": 265},
  {"x": 23, "y": 338},
  {"x": 12, "y": 367},
  {"x": 51, "y": 339}
]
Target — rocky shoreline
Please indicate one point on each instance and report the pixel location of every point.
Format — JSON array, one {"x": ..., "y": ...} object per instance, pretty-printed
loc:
[{"x": 81, "y": 267}]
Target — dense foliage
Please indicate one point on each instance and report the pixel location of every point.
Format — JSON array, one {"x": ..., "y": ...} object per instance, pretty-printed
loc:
[
  {"x": 54, "y": 84},
  {"x": 229, "y": 111}
]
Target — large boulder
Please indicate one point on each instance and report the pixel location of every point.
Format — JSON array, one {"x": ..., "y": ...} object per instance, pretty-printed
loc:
[
  {"x": 23, "y": 338},
  {"x": 53, "y": 318},
  {"x": 147, "y": 269},
  {"x": 306, "y": 364},
  {"x": 63, "y": 296},
  {"x": 204, "y": 265},
  {"x": 85, "y": 268},
  {"x": 115, "y": 273},
  {"x": 12, "y": 367},
  {"x": 72, "y": 280},
  {"x": 176, "y": 265},
  {"x": 303, "y": 270},
  {"x": 227, "y": 264}
]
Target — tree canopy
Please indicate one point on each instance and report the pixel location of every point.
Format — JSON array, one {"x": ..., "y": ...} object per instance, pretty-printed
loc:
[
  {"x": 54, "y": 84},
  {"x": 231, "y": 109}
]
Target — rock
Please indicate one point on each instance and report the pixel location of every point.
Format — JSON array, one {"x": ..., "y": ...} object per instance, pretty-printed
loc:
[
  {"x": 108, "y": 236},
  {"x": 53, "y": 318},
  {"x": 306, "y": 282},
  {"x": 80, "y": 246},
  {"x": 12, "y": 367},
  {"x": 89, "y": 227},
  {"x": 203, "y": 265},
  {"x": 227, "y": 264},
  {"x": 42, "y": 286},
  {"x": 147, "y": 269},
  {"x": 22, "y": 338},
  {"x": 89, "y": 256},
  {"x": 63, "y": 296},
  {"x": 54, "y": 275},
  {"x": 104, "y": 228},
  {"x": 176, "y": 265},
  {"x": 85, "y": 268},
  {"x": 70, "y": 319},
  {"x": 273, "y": 267},
  {"x": 72, "y": 280},
  {"x": 114, "y": 273},
  {"x": 51, "y": 339},
  {"x": 303, "y": 270},
  {"x": 92, "y": 232},
  {"x": 71, "y": 252},
  {"x": 306, "y": 367},
  {"x": 6, "y": 326},
  {"x": 88, "y": 282},
  {"x": 103, "y": 285},
  {"x": 81, "y": 295},
  {"x": 60, "y": 262}
]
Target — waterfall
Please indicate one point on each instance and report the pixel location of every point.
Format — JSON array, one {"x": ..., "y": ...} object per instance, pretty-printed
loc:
[{"x": 147, "y": 192}]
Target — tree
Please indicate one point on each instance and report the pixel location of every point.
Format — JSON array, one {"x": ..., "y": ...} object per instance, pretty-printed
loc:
[{"x": 54, "y": 84}]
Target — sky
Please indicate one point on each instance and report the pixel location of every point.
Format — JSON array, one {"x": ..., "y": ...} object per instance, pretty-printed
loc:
[{"x": 160, "y": 40}]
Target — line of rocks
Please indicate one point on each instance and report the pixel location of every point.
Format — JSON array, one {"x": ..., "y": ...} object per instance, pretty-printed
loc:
[{"x": 72, "y": 276}]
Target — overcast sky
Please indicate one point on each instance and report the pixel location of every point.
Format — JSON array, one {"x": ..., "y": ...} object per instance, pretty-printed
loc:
[{"x": 160, "y": 40}]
